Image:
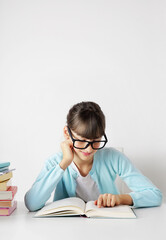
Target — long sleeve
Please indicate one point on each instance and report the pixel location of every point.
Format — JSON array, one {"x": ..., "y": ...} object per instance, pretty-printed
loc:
[
  {"x": 44, "y": 185},
  {"x": 144, "y": 192}
]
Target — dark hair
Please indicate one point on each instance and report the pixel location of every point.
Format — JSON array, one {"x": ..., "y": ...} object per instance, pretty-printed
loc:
[{"x": 87, "y": 120}]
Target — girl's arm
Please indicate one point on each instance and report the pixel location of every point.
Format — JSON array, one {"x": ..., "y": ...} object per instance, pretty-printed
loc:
[
  {"x": 49, "y": 177},
  {"x": 44, "y": 185},
  {"x": 144, "y": 193}
]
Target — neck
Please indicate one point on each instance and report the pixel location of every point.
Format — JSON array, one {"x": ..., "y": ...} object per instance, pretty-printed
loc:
[{"x": 84, "y": 167}]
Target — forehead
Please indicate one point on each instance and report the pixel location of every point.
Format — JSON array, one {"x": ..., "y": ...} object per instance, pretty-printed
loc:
[
  {"x": 80, "y": 137},
  {"x": 89, "y": 130}
]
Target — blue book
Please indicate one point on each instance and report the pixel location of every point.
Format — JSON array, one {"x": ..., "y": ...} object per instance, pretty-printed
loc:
[
  {"x": 4, "y": 169},
  {"x": 4, "y": 164}
]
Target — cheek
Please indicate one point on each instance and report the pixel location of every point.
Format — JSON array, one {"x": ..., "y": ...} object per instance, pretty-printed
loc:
[{"x": 76, "y": 150}]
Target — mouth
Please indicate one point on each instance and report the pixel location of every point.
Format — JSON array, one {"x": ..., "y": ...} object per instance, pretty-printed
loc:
[{"x": 86, "y": 154}]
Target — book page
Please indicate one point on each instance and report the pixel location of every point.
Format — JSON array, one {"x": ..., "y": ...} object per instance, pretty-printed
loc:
[
  {"x": 63, "y": 205},
  {"x": 121, "y": 211}
]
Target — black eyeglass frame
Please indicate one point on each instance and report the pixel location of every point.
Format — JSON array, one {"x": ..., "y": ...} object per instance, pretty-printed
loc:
[{"x": 88, "y": 142}]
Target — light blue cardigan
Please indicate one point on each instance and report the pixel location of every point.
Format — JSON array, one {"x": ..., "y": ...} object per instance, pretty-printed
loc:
[{"x": 107, "y": 163}]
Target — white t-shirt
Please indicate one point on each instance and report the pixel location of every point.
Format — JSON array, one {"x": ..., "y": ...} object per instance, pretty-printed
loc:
[{"x": 86, "y": 188}]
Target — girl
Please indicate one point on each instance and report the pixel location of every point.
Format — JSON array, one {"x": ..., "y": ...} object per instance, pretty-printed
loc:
[{"x": 84, "y": 168}]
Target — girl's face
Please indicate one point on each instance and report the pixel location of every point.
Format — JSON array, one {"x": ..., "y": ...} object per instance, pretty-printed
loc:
[
  {"x": 83, "y": 154},
  {"x": 87, "y": 153}
]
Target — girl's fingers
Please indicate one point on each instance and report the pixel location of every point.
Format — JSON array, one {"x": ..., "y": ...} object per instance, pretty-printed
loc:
[
  {"x": 105, "y": 199},
  {"x": 113, "y": 201},
  {"x": 99, "y": 201},
  {"x": 109, "y": 200}
]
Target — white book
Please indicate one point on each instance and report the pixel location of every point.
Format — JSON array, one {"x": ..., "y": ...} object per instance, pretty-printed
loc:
[{"x": 77, "y": 207}]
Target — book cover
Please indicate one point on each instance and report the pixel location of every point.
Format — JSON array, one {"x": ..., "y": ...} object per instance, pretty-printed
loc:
[
  {"x": 9, "y": 194},
  {"x": 6, "y": 204},
  {"x": 5, "y": 185},
  {"x": 6, "y": 176},
  {"x": 8, "y": 211},
  {"x": 4, "y": 164}
]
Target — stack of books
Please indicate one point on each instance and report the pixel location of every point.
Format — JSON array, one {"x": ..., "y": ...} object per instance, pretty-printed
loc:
[{"x": 7, "y": 192}]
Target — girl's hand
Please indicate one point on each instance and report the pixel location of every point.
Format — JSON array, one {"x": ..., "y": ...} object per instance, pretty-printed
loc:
[
  {"x": 108, "y": 200},
  {"x": 68, "y": 153},
  {"x": 111, "y": 200}
]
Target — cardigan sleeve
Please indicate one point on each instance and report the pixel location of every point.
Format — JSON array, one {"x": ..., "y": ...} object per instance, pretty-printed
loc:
[
  {"x": 144, "y": 193},
  {"x": 44, "y": 185}
]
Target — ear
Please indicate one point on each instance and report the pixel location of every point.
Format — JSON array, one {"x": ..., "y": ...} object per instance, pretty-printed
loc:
[{"x": 65, "y": 133}]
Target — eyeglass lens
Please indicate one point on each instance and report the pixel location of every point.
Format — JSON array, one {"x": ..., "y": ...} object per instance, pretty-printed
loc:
[{"x": 96, "y": 145}]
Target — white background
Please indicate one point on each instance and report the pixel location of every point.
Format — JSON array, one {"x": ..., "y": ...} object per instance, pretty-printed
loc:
[{"x": 54, "y": 54}]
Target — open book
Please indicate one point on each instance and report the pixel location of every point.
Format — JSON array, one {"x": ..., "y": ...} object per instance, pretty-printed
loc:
[{"x": 75, "y": 207}]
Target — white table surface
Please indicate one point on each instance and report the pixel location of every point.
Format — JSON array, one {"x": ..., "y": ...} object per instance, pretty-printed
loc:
[{"x": 149, "y": 224}]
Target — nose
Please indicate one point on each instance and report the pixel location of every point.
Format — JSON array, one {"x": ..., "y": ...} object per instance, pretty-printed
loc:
[{"x": 89, "y": 149}]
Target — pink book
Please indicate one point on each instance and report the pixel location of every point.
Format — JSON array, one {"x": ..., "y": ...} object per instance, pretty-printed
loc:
[
  {"x": 9, "y": 194},
  {"x": 8, "y": 211}
]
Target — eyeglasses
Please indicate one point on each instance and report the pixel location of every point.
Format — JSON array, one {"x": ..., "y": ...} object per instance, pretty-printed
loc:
[{"x": 82, "y": 144}]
